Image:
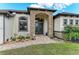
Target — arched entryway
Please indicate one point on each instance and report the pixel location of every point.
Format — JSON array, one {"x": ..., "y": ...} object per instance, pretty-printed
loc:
[
  {"x": 41, "y": 24},
  {"x": 44, "y": 17}
]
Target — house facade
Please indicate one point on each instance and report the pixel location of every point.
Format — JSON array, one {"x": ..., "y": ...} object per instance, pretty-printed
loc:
[
  {"x": 34, "y": 21},
  {"x": 64, "y": 19}
]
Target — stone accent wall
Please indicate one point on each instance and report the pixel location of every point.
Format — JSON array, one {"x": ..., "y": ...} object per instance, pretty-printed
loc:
[
  {"x": 58, "y": 34},
  {"x": 33, "y": 13},
  {"x": 50, "y": 26},
  {"x": 32, "y": 24}
]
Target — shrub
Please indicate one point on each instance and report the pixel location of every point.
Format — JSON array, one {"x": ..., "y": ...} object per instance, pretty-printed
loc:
[
  {"x": 71, "y": 33},
  {"x": 66, "y": 36},
  {"x": 13, "y": 38},
  {"x": 20, "y": 37},
  {"x": 67, "y": 29},
  {"x": 27, "y": 37}
]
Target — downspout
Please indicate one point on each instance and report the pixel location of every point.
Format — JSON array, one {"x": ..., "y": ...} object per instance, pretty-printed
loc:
[{"x": 3, "y": 28}]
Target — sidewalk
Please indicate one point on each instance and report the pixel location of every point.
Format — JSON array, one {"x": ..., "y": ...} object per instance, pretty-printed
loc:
[{"x": 15, "y": 45}]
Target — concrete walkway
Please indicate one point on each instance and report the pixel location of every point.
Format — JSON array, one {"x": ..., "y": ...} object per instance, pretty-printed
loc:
[{"x": 9, "y": 46}]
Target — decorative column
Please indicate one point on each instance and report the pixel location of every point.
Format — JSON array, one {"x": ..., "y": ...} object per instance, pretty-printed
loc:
[
  {"x": 50, "y": 26},
  {"x": 32, "y": 25}
]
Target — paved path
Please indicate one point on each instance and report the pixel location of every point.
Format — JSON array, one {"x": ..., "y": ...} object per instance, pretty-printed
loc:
[{"x": 9, "y": 46}]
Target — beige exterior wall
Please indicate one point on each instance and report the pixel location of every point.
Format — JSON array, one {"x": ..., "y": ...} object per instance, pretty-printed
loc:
[
  {"x": 59, "y": 26},
  {"x": 12, "y": 26},
  {"x": 8, "y": 27},
  {"x": 45, "y": 29},
  {"x": 1, "y": 29},
  {"x": 16, "y": 25},
  {"x": 68, "y": 18}
]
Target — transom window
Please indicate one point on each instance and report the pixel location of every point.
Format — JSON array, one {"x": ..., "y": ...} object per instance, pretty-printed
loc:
[
  {"x": 65, "y": 21},
  {"x": 71, "y": 21},
  {"x": 76, "y": 22},
  {"x": 23, "y": 24}
]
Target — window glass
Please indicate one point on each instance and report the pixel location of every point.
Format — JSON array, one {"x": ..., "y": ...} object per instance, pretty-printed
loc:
[
  {"x": 23, "y": 24},
  {"x": 76, "y": 22},
  {"x": 23, "y": 18},
  {"x": 71, "y": 21},
  {"x": 65, "y": 21}
]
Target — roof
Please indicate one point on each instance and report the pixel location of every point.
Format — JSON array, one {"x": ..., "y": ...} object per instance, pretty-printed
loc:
[
  {"x": 17, "y": 11},
  {"x": 3, "y": 11},
  {"x": 42, "y": 9},
  {"x": 66, "y": 14},
  {"x": 24, "y": 11}
]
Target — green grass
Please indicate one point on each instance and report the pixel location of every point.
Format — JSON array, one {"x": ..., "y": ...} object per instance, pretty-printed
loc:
[{"x": 45, "y": 49}]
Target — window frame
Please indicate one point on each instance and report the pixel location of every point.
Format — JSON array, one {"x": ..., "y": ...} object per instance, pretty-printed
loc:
[
  {"x": 71, "y": 23},
  {"x": 22, "y": 20},
  {"x": 65, "y": 22},
  {"x": 76, "y": 22}
]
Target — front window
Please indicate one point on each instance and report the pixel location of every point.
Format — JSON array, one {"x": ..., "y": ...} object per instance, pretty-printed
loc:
[
  {"x": 76, "y": 22},
  {"x": 23, "y": 24},
  {"x": 65, "y": 21},
  {"x": 71, "y": 21}
]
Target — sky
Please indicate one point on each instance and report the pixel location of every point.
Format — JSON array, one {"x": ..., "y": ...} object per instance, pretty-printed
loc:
[{"x": 60, "y": 7}]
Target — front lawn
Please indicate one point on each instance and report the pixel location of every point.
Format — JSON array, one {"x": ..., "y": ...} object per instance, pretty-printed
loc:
[{"x": 45, "y": 49}]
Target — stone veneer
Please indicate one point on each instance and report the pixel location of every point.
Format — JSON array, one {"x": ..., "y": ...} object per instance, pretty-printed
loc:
[
  {"x": 33, "y": 13},
  {"x": 58, "y": 35}
]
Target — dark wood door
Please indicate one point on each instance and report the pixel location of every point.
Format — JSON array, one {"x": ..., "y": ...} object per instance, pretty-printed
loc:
[{"x": 39, "y": 28}]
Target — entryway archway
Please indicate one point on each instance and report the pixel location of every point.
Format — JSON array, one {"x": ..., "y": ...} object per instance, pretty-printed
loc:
[
  {"x": 41, "y": 23},
  {"x": 46, "y": 16}
]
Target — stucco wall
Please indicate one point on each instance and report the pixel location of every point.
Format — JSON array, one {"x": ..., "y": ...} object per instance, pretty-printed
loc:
[
  {"x": 68, "y": 18},
  {"x": 45, "y": 26},
  {"x": 57, "y": 24},
  {"x": 8, "y": 27},
  {"x": 16, "y": 25},
  {"x": 12, "y": 26},
  {"x": 1, "y": 28}
]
